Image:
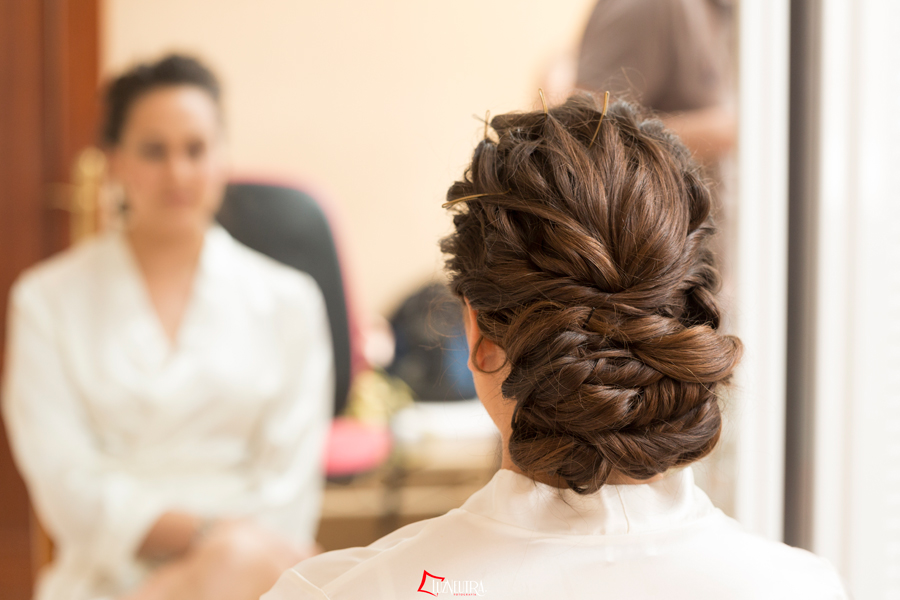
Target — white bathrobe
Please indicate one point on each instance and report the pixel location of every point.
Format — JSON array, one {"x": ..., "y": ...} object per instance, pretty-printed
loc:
[
  {"x": 111, "y": 424},
  {"x": 517, "y": 539}
]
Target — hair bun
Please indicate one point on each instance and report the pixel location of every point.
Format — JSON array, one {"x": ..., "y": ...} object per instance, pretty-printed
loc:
[{"x": 593, "y": 273}]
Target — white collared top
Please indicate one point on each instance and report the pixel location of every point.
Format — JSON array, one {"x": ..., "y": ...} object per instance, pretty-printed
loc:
[
  {"x": 516, "y": 538},
  {"x": 112, "y": 424}
]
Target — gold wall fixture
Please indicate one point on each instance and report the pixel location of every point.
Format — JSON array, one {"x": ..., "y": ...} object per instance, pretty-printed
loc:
[
  {"x": 83, "y": 198},
  {"x": 88, "y": 173}
]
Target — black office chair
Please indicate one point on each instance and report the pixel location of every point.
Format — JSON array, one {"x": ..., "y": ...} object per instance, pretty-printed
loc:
[{"x": 288, "y": 225}]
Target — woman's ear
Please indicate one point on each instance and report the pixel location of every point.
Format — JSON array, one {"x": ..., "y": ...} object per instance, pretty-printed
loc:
[
  {"x": 484, "y": 355},
  {"x": 470, "y": 322}
]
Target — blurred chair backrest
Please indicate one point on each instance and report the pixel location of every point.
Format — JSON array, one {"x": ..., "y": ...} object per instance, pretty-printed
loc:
[{"x": 290, "y": 226}]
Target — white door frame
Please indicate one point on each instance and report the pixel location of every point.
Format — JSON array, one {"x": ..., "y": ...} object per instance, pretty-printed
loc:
[{"x": 761, "y": 262}]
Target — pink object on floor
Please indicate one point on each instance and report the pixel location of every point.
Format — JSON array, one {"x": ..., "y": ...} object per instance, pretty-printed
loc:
[{"x": 354, "y": 447}]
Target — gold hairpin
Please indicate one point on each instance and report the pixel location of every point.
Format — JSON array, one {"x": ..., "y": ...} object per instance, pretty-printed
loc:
[
  {"x": 450, "y": 203},
  {"x": 543, "y": 100},
  {"x": 603, "y": 114}
]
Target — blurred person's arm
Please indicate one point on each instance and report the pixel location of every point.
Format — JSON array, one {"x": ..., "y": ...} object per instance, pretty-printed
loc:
[
  {"x": 286, "y": 473},
  {"x": 710, "y": 133},
  {"x": 172, "y": 534},
  {"x": 235, "y": 560},
  {"x": 669, "y": 56},
  {"x": 85, "y": 501}
]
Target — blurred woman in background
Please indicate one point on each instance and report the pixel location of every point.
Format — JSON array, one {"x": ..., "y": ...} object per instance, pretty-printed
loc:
[
  {"x": 580, "y": 252},
  {"x": 168, "y": 390}
]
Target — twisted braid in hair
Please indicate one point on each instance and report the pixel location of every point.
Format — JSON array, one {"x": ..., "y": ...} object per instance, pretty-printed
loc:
[{"x": 588, "y": 264}]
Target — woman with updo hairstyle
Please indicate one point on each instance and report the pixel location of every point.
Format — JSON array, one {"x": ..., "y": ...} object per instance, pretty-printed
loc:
[
  {"x": 580, "y": 255},
  {"x": 168, "y": 390}
]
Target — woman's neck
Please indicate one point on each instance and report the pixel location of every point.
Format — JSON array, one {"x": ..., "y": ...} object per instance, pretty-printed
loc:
[
  {"x": 615, "y": 478},
  {"x": 159, "y": 255}
]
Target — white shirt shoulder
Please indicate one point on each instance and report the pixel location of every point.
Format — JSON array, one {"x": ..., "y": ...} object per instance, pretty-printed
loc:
[
  {"x": 517, "y": 539},
  {"x": 259, "y": 276},
  {"x": 65, "y": 271},
  {"x": 333, "y": 574},
  {"x": 75, "y": 267}
]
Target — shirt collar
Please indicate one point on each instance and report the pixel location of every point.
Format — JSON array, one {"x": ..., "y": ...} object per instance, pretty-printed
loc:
[
  {"x": 215, "y": 268},
  {"x": 216, "y": 256},
  {"x": 217, "y": 242},
  {"x": 518, "y": 500}
]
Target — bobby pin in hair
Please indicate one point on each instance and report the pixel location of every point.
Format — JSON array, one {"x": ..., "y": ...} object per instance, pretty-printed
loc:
[
  {"x": 543, "y": 101},
  {"x": 603, "y": 114},
  {"x": 450, "y": 203},
  {"x": 588, "y": 320},
  {"x": 487, "y": 123}
]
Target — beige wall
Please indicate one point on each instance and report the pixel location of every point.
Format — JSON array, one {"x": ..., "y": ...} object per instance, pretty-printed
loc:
[{"x": 371, "y": 101}]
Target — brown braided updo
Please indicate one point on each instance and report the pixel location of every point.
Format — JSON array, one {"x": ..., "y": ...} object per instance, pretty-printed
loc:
[{"x": 588, "y": 264}]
